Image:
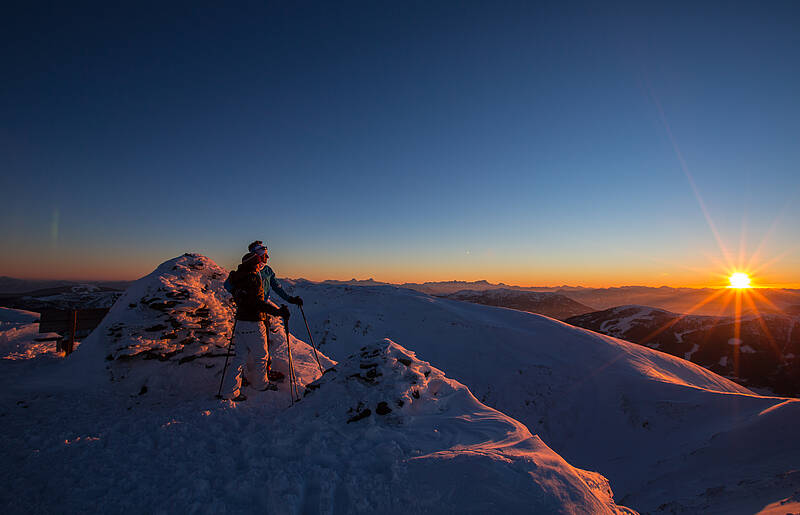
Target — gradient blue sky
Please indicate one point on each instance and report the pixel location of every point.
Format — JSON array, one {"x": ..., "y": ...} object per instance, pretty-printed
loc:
[{"x": 524, "y": 142}]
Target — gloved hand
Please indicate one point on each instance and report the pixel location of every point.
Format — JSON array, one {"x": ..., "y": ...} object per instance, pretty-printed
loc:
[
  {"x": 296, "y": 300},
  {"x": 283, "y": 311}
]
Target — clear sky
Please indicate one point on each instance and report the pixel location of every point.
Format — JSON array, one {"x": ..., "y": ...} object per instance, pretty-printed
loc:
[{"x": 524, "y": 142}]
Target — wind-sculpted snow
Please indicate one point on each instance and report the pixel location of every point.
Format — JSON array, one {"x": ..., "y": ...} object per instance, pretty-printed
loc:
[
  {"x": 646, "y": 420},
  {"x": 178, "y": 311},
  {"x": 129, "y": 423},
  {"x": 138, "y": 429},
  {"x": 405, "y": 423},
  {"x": 380, "y": 432}
]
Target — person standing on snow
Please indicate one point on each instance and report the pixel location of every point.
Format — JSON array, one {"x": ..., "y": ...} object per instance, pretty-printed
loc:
[
  {"x": 268, "y": 276},
  {"x": 270, "y": 283},
  {"x": 250, "y": 335}
]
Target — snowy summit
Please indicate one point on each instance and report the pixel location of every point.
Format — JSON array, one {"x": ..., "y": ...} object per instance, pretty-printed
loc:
[{"x": 380, "y": 431}]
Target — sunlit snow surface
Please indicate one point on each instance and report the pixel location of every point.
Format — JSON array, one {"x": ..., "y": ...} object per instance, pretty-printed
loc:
[
  {"x": 19, "y": 332},
  {"x": 669, "y": 435},
  {"x": 129, "y": 424}
]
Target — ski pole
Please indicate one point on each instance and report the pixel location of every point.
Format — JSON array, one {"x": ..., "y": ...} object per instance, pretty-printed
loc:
[
  {"x": 227, "y": 356},
  {"x": 291, "y": 365},
  {"x": 311, "y": 338}
]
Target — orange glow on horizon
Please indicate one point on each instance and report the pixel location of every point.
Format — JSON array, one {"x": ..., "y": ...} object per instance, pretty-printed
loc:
[{"x": 603, "y": 272}]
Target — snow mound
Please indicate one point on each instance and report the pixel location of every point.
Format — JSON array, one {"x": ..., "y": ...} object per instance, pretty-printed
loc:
[
  {"x": 179, "y": 311},
  {"x": 421, "y": 442},
  {"x": 178, "y": 315}
]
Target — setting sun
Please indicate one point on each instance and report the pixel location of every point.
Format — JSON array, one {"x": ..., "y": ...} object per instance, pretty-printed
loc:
[{"x": 739, "y": 280}]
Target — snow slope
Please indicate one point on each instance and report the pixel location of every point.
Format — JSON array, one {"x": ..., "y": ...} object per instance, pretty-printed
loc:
[
  {"x": 19, "y": 330},
  {"x": 757, "y": 350},
  {"x": 440, "y": 451},
  {"x": 669, "y": 434},
  {"x": 12, "y": 317},
  {"x": 128, "y": 423}
]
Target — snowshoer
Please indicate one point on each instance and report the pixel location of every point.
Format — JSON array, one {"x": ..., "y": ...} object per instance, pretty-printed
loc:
[{"x": 250, "y": 336}]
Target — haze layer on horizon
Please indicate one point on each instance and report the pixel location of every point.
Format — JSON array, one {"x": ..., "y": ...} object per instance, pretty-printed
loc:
[{"x": 599, "y": 145}]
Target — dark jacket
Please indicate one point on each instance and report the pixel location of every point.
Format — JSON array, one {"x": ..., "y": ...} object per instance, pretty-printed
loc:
[{"x": 248, "y": 293}]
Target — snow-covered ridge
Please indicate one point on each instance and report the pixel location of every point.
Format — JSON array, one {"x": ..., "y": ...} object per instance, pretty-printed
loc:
[
  {"x": 645, "y": 420},
  {"x": 549, "y": 304},
  {"x": 757, "y": 351},
  {"x": 638, "y": 416},
  {"x": 381, "y": 431}
]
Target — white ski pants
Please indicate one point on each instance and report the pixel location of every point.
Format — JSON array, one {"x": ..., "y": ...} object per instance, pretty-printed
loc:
[{"x": 250, "y": 347}]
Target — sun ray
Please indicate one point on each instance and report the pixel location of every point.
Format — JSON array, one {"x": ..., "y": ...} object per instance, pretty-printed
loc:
[
  {"x": 684, "y": 315},
  {"x": 763, "y": 325},
  {"x": 712, "y": 226},
  {"x": 725, "y": 305},
  {"x": 675, "y": 264},
  {"x": 766, "y": 300},
  {"x": 757, "y": 254},
  {"x": 737, "y": 332},
  {"x": 719, "y": 316},
  {"x": 767, "y": 264},
  {"x": 742, "y": 244}
]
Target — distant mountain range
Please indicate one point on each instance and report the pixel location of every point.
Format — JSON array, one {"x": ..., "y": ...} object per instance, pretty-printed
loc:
[
  {"x": 58, "y": 294},
  {"x": 549, "y": 304},
  {"x": 678, "y": 300},
  {"x": 699, "y": 301},
  {"x": 31, "y": 286},
  {"x": 447, "y": 287},
  {"x": 766, "y": 354}
]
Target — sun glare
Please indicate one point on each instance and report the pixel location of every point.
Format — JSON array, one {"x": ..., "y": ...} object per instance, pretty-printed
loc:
[{"x": 739, "y": 280}]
